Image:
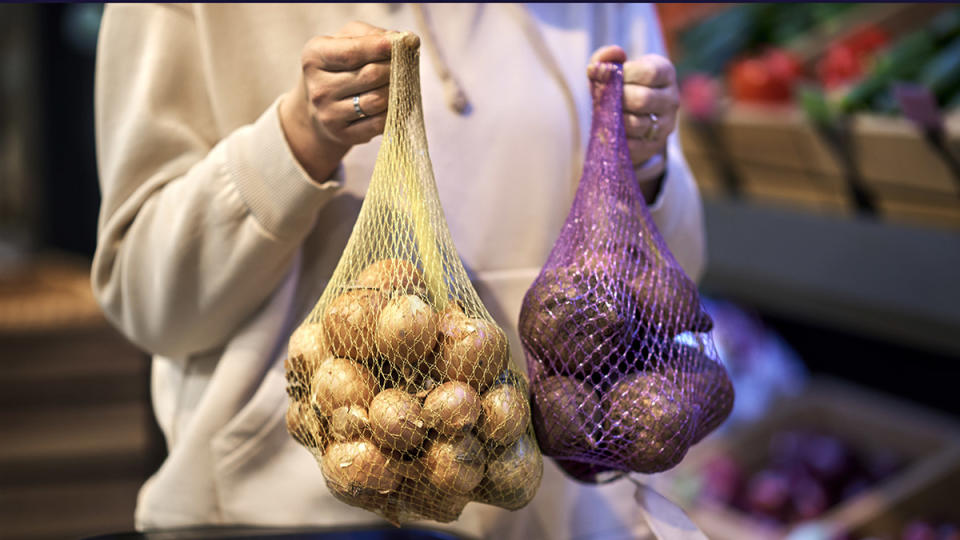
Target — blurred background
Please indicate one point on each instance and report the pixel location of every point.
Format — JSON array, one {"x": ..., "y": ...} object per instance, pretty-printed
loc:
[{"x": 825, "y": 139}]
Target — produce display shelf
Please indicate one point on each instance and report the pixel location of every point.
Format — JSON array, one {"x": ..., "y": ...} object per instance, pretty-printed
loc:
[{"x": 892, "y": 281}]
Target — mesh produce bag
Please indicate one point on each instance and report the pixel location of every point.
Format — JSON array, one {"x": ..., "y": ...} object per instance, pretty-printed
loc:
[
  {"x": 401, "y": 383},
  {"x": 623, "y": 371}
]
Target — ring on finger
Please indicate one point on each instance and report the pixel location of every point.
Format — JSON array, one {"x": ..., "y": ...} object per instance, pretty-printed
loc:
[
  {"x": 356, "y": 107},
  {"x": 654, "y": 130}
]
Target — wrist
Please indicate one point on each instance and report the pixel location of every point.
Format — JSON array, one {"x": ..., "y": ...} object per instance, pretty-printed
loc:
[
  {"x": 317, "y": 156},
  {"x": 650, "y": 175}
]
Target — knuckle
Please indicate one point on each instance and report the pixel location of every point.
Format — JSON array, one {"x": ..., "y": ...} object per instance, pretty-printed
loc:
[
  {"x": 318, "y": 95},
  {"x": 369, "y": 75},
  {"x": 641, "y": 97},
  {"x": 325, "y": 118},
  {"x": 378, "y": 99}
]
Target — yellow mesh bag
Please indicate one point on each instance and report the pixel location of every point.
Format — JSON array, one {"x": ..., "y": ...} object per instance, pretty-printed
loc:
[{"x": 400, "y": 382}]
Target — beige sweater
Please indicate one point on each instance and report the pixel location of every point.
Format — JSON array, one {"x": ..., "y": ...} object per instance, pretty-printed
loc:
[{"x": 213, "y": 243}]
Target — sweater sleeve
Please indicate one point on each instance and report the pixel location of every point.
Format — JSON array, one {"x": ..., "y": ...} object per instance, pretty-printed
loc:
[
  {"x": 678, "y": 209},
  {"x": 195, "y": 230}
]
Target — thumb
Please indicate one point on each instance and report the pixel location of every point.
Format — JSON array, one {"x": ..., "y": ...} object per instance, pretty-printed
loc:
[{"x": 609, "y": 53}]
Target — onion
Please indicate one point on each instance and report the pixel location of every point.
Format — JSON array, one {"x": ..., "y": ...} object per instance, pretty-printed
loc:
[
  {"x": 354, "y": 467},
  {"x": 572, "y": 321},
  {"x": 706, "y": 383},
  {"x": 506, "y": 415},
  {"x": 391, "y": 276},
  {"x": 668, "y": 302},
  {"x": 406, "y": 331},
  {"x": 451, "y": 408},
  {"x": 451, "y": 320},
  {"x": 350, "y": 322},
  {"x": 349, "y": 423},
  {"x": 307, "y": 348},
  {"x": 567, "y": 416},
  {"x": 395, "y": 420},
  {"x": 422, "y": 500},
  {"x": 513, "y": 476},
  {"x": 455, "y": 465},
  {"x": 308, "y": 340},
  {"x": 648, "y": 422},
  {"x": 339, "y": 382},
  {"x": 473, "y": 351},
  {"x": 304, "y": 426}
]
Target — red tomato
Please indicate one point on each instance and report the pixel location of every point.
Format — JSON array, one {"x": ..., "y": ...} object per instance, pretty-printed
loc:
[
  {"x": 752, "y": 81},
  {"x": 700, "y": 95},
  {"x": 783, "y": 65},
  {"x": 840, "y": 65},
  {"x": 867, "y": 40}
]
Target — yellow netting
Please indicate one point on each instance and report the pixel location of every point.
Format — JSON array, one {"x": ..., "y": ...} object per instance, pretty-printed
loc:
[{"x": 401, "y": 383}]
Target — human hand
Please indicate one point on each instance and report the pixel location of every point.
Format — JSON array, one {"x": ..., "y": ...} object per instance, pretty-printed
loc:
[
  {"x": 318, "y": 115},
  {"x": 649, "y": 89}
]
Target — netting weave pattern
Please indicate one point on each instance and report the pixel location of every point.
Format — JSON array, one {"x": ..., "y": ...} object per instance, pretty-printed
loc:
[
  {"x": 400, "y": 382},
  {"x": 624, "y": 374}
]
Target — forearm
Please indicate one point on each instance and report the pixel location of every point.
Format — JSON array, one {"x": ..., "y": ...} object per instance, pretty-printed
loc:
[
  {"x": 183, "y": 261},
  {"x": 678, "y": 214}
]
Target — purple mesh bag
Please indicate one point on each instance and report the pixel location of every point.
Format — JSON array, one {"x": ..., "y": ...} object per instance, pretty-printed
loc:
[{"x": 624, "y": 373}]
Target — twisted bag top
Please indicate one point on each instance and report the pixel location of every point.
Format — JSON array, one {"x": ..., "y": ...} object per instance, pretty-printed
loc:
[
  {"x": 624, "y": 373},
  {"x": 401, "y": 383}
]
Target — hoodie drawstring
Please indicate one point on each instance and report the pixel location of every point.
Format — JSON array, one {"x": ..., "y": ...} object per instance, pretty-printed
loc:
[
  {"x": 456, "y": 98},
  {"x": 453, "y": 92},
  {"x": 539, "y": 44}
]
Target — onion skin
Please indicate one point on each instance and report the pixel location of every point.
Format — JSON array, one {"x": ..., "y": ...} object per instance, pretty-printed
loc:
[
  {"x": 567, "y": 416},
  {"x": 473, "y": 351},
  {"x": 306, "y": 349},
  {"x": 451, "y": 408},
  {"x": 395, "y": 420},
  {"x": 668, "y": 302},
  {"x": 354, "y": 467},
  {"x": 571, "y": 320},
  {"x": 349, "y": 423},
  {"x": 506, "y": 415},
  {"x": 350, "y": 323},
  {"x": 340, "y": 382},
  {"x": 648, "y": 423},
  {"x": 406, "y": 331},
  {"x": 309, "y": 340},
  {"x": 417, "y": 499},
  {"x": 513, "y": 476},
  {"x": 455, "y": 465},
  {"x": 304, "y": 426},
  {"x": 450, "y": 320},
  {"x": 391, "y": 276}
]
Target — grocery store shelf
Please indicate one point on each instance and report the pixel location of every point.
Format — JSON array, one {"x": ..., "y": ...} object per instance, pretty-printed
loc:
[{"x": 894, "y": 282}]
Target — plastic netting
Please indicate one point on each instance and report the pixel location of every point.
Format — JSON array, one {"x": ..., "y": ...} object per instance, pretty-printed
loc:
[
  {"x": 401, "y": 383},
  {"x": 623, "y": 372}
]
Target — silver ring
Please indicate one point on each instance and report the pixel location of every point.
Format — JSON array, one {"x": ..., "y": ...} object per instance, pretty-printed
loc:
[
  {"x": 356, "y": 107},
  {"x": 653, "y": 130}
]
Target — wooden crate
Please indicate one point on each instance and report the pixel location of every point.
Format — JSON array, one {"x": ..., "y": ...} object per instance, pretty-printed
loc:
[
  {"x": 776, "y": 155},
  {"x": 780, "y": 159},
  {"x": 891, "y": 152},
  {"x": 937, "y": 499},
  {"x": 929, "y": 442},
  {"x": 909, "y": 180}
]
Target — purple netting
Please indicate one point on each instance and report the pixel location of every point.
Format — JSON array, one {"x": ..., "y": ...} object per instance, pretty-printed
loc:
[{"x": 624, "y": 373}]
